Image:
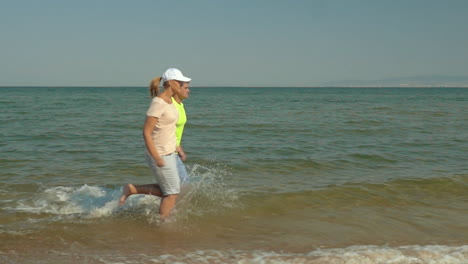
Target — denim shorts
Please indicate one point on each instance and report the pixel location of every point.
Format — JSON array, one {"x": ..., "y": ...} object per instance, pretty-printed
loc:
[
  {"x": 166, "y": 176},
  {"x": 182, "y": 170}
]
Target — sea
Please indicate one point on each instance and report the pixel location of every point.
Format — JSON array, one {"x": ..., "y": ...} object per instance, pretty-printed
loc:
[{"x": 278, "y": 175}]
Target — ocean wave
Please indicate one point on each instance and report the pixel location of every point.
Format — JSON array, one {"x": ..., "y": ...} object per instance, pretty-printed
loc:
[
  {"x": 93, "y": 201},
  {"x": 372, "y": 158},
  {"x": 367, "y": 131},
  {"x": 394, "y": 193},
  {"x": 364, "y": 122},
  {"x": 205, "y": 193},
  {"x": 370, "y": 254},
  {"x": 354, "y": 254},
  {"x": 209, "y": 193}
]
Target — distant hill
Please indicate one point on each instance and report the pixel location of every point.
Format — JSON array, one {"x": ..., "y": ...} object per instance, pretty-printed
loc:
[{"x": 414, "y": 81}]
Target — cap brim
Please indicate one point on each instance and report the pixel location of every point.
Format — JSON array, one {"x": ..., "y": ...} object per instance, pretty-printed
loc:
[{"x": 184, "y": 79}]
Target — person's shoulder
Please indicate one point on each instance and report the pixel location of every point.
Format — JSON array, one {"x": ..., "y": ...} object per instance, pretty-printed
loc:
[
  {"x": 174, "y": 101},
  {"x": 158, "y": 100}
]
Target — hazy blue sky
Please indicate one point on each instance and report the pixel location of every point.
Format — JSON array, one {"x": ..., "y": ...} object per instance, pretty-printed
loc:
[{"x": 243, "y": 42}]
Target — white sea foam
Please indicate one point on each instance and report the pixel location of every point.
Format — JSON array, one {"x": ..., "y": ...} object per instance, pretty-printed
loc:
[
  {"x": 206, "y": 192},
  {"x": 88, "y": 201},
  {"x": 349, "y": 255},
  {"x": 434, "y": 254},
  {"x": 404, "y": 255}
]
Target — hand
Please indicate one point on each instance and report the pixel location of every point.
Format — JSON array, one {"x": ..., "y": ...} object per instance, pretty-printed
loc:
[
  {"x": 182, "y": 155},
  {"x": 160, "y": 162}
]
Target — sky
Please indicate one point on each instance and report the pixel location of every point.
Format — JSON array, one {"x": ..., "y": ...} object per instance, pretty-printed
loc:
[{"x": 229, "y": 43}]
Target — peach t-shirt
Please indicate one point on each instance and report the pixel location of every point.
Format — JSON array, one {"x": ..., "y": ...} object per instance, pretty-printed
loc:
[{"x": 164, "y": 132}]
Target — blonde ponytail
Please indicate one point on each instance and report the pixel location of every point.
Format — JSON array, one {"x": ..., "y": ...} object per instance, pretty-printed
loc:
[{"x": 154, "y": 86}]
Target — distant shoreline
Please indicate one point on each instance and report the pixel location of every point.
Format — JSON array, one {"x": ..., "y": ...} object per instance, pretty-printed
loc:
[{"x": 253, "y": 87}]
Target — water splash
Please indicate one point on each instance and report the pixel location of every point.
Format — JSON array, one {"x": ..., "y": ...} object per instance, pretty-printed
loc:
[
  {"x": 88, "y": 201},
  {"x": 205, "y": 193}
]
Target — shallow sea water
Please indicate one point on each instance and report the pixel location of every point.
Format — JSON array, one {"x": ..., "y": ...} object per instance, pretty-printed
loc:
[{"x": 279, "y": 175}]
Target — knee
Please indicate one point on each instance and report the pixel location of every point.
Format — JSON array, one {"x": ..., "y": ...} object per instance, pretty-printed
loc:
[{"x": 171, "y": 197}]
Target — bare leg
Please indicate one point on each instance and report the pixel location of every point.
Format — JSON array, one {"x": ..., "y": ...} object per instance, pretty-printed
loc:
[
  {"x": 167, "y": 204},
  {"x": 130, "y": 189}
]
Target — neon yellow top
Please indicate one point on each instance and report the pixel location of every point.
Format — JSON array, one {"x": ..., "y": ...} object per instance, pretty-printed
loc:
[{"x": 181, "y": 122}]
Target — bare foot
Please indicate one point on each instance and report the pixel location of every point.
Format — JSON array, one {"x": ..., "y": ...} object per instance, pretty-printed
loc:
[{"x": 126, "y": 192}]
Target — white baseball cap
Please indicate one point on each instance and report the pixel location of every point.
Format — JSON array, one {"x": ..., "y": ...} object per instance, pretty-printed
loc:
[{"x": 174, "y": 74}]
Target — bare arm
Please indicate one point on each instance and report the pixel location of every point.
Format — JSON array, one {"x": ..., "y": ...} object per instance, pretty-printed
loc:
[{"x": 150, "y": 122}]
